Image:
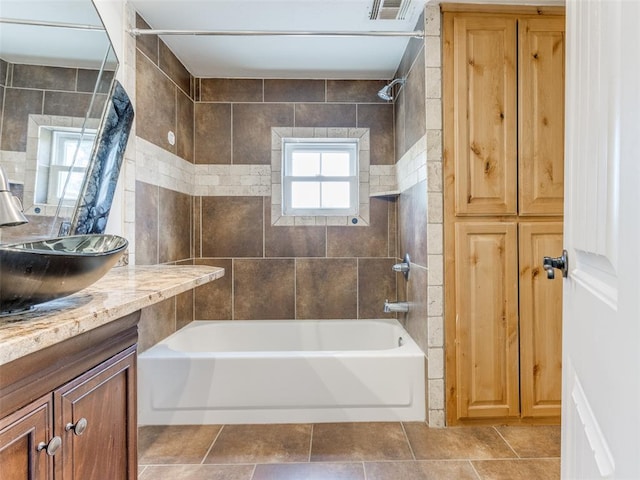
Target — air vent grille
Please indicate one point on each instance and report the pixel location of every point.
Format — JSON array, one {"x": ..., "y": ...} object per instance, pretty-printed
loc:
[{"x": 389, "y": 9}]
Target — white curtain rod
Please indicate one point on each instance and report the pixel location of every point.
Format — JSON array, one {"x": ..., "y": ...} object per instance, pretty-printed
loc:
[
  {"x": 275, "y": 33},
  {"x": 35, "y": 23}
]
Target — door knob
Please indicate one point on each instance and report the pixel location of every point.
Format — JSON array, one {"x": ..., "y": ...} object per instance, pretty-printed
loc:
[{"x": 561, "y": 263}]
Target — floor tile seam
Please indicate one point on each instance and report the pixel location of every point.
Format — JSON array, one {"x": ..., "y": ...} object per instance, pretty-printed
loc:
[
  {"x": 242, "y": 464},
  {"x": 505, "y": 441},
  {"x": 364, "y": 470},
  {"x": 212, "y": 444},
  {"x": 349, "y": 462},
  {"x": 426, "y": 460},
  {"x": 471, "y": 458},
  {"x": 534, "y": 459},
  {"x": 310, "y": 443},
  {"x": 406, "y": 437},
  {"x": 473, "y": 467}
]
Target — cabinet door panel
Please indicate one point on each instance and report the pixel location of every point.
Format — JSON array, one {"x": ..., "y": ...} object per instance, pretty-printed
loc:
[
  {"x": 20, "y": 434},
  {"x": 486, "y": 292},
  {"x": 541, "y": 110},
  {"x": 105, "y": 397},
  {"x": 540, "y": 321},
  {"x": 485, "y": 115}
]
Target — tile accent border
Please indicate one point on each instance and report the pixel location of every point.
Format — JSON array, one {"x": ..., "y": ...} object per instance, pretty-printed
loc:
[
  {"x": 435, "y": 243},
  {"x": 161, "y": 168},
  {"x": 411, "y": 169}
]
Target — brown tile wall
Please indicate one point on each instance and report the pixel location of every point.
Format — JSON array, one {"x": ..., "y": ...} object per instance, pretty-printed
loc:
[
  {"x": 164, "y": 96},
  {"x": 233, "y": 117},
  {"x": 271, "y": 272},
  {"x": 289, "y": 272},
  {"x": 410, "y": 109},
  {"x": 292, "y": 272},
  {"x": 163, "y": 225},
  {"x": 410, "y": 126},
  {"x": 33, "y": 89}
]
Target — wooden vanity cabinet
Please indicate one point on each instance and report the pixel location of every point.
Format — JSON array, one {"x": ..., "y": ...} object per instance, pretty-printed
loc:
[
  {"x": 86, "y": 403},
  {"x": 20, "y": 435}
]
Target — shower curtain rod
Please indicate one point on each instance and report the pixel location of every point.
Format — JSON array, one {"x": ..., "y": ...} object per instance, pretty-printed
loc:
[
  {"x": 35, "y": 23},
  {"x": 275, "y": 33}
]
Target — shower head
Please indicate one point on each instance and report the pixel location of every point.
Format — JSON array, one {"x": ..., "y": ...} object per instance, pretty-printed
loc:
[{"x": 386, "y": 92}]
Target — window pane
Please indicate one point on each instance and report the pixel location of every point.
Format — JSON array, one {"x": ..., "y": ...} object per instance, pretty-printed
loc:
[
  {"x": 305, "y": 164},
  {"x": 73, "y": 187},
  {"x": 69, "y": 148},
  {"x": 305, "y": 194},
  {"x": 335, "y": 195},
  {"x": 335, "y": 164}
]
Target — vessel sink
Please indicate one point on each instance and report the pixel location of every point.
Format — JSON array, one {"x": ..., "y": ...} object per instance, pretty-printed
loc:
[{"x": 36, "y": 272}]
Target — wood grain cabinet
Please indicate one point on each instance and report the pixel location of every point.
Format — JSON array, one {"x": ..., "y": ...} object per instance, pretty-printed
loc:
[
  {"x": 23, "y": 439},
  {"x": 503, "y": 170},
  {"x": 82, "y": 429}
]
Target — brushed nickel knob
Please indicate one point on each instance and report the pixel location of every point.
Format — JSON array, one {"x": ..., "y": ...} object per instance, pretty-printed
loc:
[
  {"x": 52, "y": 447},
  {"x": 78, "y": 428}
]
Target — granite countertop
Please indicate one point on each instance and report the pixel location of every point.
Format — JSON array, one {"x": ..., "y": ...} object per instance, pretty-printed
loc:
[{"x": 120, "y": 292}]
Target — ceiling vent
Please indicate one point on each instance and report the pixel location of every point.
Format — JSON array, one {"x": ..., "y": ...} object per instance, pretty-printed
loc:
[{"x": 389, "y": 9}]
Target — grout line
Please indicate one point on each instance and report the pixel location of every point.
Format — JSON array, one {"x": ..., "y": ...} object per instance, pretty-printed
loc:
[
  {"x": 311, "y": 441},
  {"x": 253, "y": 472},
  {"x": 364, "y": 470},
  {"x": 505, "y": 441},
  {"x": 212, "y": 444},
  {"x": 406, "y": 437},
  {"x": 474, "y": 469}
]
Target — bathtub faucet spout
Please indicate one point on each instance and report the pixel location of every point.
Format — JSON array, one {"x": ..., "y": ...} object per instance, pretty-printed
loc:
[{"x": 393, "y": 307}]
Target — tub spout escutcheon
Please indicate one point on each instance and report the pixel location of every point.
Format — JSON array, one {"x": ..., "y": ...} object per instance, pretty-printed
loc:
[{"x": 396, "y": 307}]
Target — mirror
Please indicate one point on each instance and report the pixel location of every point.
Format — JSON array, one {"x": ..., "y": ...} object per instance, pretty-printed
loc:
[{"x": 56, "y": 72}]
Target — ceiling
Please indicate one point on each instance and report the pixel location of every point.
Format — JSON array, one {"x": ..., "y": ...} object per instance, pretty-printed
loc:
[
  {"x": 233, "y": 56},
  {"x": 283, "y": 57}
]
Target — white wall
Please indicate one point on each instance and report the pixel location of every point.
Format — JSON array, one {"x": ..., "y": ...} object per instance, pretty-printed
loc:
[{"x": 113, "y": 17}]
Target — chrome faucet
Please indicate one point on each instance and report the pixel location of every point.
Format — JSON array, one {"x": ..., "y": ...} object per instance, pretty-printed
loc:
[
  {"x": 10, "y": 207},
  {"x": 396, "y": 307}
]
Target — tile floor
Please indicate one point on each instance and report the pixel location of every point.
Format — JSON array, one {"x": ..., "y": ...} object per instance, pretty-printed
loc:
[{"x": 348, "y": 451}]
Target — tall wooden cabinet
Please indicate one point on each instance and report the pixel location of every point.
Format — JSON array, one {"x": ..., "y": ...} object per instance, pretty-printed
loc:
[{"x": 503, "y": 170}]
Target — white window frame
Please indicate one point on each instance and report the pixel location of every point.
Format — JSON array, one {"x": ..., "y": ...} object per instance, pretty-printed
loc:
[
  {"x": 320, "y": 145},
  {"x": 59, "y": 167}
]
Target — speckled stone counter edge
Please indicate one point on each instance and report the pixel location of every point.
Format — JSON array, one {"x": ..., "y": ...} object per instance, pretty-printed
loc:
[{"x": 120, "y": 292}]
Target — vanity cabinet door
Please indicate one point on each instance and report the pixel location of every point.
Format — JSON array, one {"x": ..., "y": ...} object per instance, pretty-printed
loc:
[
  {"x": 21, "y": 433},
  {"x": 96, "y": 418}
]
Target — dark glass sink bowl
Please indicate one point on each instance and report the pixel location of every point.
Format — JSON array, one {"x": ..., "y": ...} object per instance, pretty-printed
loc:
[{"x": 36, "y": 272}]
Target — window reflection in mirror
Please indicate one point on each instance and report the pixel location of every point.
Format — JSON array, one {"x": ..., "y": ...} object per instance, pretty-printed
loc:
[
  {"x": 48, "y": 76},
  {"x": 63, "y": 157}
]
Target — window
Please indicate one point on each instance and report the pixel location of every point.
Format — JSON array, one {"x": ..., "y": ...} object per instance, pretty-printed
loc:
[
  {"x": 62, "y": 161},
  {"x": 319, "y": 176}
]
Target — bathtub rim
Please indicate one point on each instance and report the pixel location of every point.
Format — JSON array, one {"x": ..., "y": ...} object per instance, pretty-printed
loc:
[{"x": 162, "y": 349}]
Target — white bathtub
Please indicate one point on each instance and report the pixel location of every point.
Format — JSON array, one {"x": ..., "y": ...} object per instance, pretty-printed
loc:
[{"x": 282, "y": 371}]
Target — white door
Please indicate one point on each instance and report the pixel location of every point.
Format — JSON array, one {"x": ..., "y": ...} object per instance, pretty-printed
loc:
[{"x": 601, "y": 338}]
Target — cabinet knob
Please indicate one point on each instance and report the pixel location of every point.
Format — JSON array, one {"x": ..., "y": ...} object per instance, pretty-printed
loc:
[
  {"x": 52, "y": 447},
  {"x": 78, "y": 428}
]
